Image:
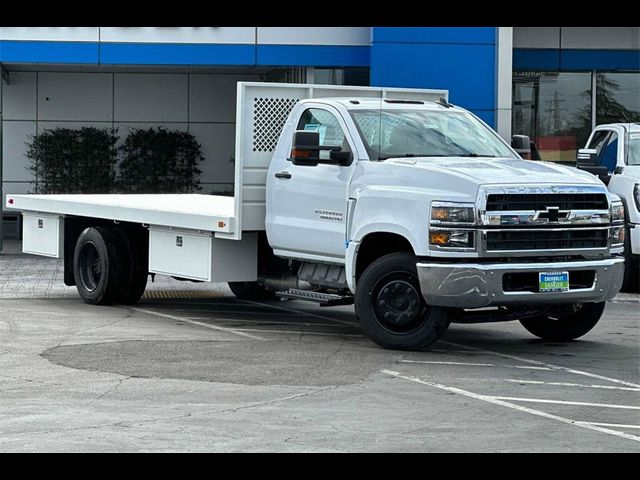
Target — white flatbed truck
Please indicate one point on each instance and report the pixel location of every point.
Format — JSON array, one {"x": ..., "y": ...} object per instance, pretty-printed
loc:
[{"x": 394, "y": 200}]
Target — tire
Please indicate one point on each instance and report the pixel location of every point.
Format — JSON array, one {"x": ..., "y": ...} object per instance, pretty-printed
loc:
[
  {"x": 390, "y": 307},
  {"x": 135, "y": 269},
  {"x": 631, "y": 281},
  {"x": 567, "y": 325},
  {"x": 251, "y": 291},
  {"x": 97, "y": 266}
]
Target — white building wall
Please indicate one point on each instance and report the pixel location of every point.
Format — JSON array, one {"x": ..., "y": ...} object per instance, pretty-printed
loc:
[
  {"x": 195, "y": 35},
  {"x": 203, "y": 104}
]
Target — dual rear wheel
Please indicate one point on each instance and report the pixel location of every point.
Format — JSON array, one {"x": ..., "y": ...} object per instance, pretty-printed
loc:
[{"x": 109, "y": 267}]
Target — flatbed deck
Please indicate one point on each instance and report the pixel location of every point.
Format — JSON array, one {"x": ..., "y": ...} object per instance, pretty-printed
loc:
[{"x": 211, "y": 213}]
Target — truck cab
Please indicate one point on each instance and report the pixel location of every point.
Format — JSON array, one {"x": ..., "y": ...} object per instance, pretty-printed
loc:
[{"x": 612, "y": 152}]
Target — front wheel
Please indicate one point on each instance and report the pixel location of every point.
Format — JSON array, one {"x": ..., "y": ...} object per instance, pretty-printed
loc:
[
  {"x": 567, "y": 324},
  {"x": 390, "y": 307}
]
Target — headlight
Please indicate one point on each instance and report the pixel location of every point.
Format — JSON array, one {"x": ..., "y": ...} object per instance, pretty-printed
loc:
[
  {"x": 617, "y": 212},
  {"x": 636, "y": 195},
  {"x": 448, "y": 213},
  {"x": 451, "y": 238}
]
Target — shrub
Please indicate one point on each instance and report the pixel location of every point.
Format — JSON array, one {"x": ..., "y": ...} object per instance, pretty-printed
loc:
[
  {"x": 64, "y": 160},
  {"x": 159, "y": 161}
]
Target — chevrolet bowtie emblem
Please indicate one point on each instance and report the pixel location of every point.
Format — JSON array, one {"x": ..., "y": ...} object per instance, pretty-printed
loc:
[{"x": 551, "y": 215}]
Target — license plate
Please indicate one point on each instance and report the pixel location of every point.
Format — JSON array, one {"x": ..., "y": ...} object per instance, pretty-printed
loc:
[{"x": 553, "y": 281}]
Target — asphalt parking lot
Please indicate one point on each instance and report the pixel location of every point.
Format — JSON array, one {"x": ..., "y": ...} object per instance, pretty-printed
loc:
[{"x": 194, "y": 369}]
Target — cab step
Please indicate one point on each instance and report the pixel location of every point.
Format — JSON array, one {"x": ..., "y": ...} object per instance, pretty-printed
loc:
[{"x": 323, "y": 299}]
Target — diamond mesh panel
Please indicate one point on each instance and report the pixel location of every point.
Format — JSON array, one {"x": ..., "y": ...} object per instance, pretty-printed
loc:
[{"x": 269, "y": 116}]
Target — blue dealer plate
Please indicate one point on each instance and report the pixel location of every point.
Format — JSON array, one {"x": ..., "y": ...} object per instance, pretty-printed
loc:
[{"x": 553, "y": 281}]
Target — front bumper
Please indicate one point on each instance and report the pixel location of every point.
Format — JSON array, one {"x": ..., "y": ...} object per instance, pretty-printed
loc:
[{"x": 470, "y": 285}]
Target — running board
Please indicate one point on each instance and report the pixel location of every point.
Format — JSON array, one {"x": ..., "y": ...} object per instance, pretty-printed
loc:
[{"x": 323, "y": 299}]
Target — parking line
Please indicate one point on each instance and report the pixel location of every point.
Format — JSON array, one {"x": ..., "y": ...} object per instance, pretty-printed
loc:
[
  {"x": 618, "y": 425},
  {"x": 565, "y": 384},
  {"x": 200, "y": 324},
  {"x": 567, "y": 402},
  {"x": 449, "y": 363},
  {"x": 513, "y": 406},
  {"x": 548, "y": 365}
]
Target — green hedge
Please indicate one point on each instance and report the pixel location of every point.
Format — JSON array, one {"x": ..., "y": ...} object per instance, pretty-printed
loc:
[
  {"x": 64, "y": 160},
  {"x": 160, "y": 161},
  {"x": 88, "y": 160}
]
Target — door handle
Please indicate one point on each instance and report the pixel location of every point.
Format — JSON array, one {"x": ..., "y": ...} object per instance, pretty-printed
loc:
[{"x": 285, "y": 175}]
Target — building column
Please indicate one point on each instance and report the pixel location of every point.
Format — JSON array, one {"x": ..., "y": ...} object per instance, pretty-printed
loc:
[
  {"x": 504, "y": 80},
  {"x": 472, "y": 63}
]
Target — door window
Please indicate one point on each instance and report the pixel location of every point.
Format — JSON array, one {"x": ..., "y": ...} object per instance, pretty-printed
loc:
[{"x": 327, "y": 125}]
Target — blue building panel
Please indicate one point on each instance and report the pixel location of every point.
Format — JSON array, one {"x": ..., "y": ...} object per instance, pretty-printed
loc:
[
  {"x": 556, "y": 60},
  {"x": 600, "y": 60},
  {"x": 48, "y": 52},
  {"x": 313, "y": 55},
  {"x": 176, "y": 54},
  {"x": 450, "y": 35},
  {"x": 467, "y": 71},
  {"x": 459, "y": 59},
  {"x": 536, "y": 59}
]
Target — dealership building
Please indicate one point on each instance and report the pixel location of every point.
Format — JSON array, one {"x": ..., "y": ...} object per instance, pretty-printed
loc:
[{"x": 551, "y": 83}]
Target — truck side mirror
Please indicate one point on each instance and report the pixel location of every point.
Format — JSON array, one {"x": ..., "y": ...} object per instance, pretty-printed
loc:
[
  {"x": 522, "y": 145},
  {"x": 306, "y": 148},
  {"x": 586, "y": 160}
]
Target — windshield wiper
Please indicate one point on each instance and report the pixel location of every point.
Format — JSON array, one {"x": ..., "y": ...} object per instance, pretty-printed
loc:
[{"x": 475, "y": 155}]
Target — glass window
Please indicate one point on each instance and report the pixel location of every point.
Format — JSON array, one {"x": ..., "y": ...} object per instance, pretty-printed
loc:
[
  {"x": 426, "y": 133},
  {"x": 617, "y": 97},
  {"x": 599, "y": 140},
  {"x": 554, "y": 110},
  {"x": 327, "y": 125}
]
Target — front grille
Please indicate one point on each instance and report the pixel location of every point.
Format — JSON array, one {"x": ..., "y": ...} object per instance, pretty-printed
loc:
[
  {"x": 540, "y": 201},
  {"x": 528, "y": 281},
  {"x": 546, "y": 239}
]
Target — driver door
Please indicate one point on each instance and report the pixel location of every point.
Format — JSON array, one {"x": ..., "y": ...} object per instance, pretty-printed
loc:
[{"x": 309, "y": 203}]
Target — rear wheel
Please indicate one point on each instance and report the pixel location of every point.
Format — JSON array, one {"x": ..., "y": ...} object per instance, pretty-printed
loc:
[
  {"x": 390, "y": 307},
  {"x": 251, "y": 291},
  {"x": 135, "y": 269},
  {"x": 565, "y": 324},
  {"x": 97, "y": 266}
]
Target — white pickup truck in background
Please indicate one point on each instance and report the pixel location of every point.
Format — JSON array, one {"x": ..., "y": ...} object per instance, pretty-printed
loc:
[
  {"x": 612, "y": 153},
  {"x": 392, "y": 199}
]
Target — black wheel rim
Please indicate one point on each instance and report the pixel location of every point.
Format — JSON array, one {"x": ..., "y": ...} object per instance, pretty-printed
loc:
[
  {"x": 397, "y": 303},
  {"x": 90, "y": 266}
]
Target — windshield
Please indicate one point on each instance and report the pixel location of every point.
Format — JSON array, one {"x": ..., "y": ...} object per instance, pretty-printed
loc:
[
  {"x": 633, "y": 157},
  {"x": 426, "y": 133}
]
